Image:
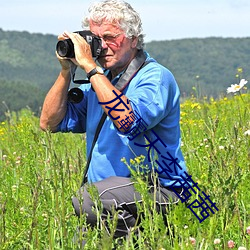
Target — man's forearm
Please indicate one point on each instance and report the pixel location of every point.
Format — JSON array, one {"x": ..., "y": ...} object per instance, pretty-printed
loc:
[
  {"x": 55, "y": 103},
  {"x": 104, "y": 91}
]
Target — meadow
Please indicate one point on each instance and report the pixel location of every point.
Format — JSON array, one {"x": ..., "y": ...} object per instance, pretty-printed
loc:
[{"x": 40, "y": 172}]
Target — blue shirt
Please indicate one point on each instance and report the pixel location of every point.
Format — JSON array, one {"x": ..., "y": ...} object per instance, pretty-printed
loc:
[{"x": 154, "y": 96}]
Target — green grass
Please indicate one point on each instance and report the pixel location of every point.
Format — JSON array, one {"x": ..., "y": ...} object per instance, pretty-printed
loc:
[{"x": 40, "y": 172}]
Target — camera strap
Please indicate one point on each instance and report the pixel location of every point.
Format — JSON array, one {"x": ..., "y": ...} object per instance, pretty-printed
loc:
[{"x": 136, "y": 64}]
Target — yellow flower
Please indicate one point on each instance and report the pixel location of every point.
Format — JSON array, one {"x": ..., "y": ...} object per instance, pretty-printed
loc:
[
  {"x": 195, "y": 105},
  {"x": 183, "y": 113},
  {"x": 138, "y": 160},
  {"x": 240, "y": 70},
  {"x": 132, "y": 162}
]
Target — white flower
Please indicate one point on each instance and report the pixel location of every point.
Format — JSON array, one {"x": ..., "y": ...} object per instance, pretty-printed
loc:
[
  {"x": 246, "y": 133},
  {"x": 237, "y": 87},
  {"x": 217, "y": 241},
  {"x": 192, "y": 240},
  {"x": 22, "y": 210},
  {"x": 242, "y": 248},
  {"x": 221, "y": 147}
]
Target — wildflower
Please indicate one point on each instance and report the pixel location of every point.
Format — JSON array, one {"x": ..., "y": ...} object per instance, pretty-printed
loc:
[
  {"x": 138, "y": 160},
  {"x": 45, "y": 216},
  {"x": 247, "y": 133},
  {"x": 242, "y": 248},
  {"x": 123, "y": 160},
  {"x": 192, "y": 240},
  {"x": 14, "y": 188},
  {"x": 195, "y": 105},
  {"x": 230, "y": 244},
  {"x": 71, "y": 167},
  {"x": 216, "y": 241},
  {"x": 237, "y": 87},
  {"x": 132, "y": 162},
  {"x": 22, "y": 210},
  {"x": 221, "y": 147},
  {"x": 248, "y": 230},
  {"x": 240, "y": 70},
  {"x": 185, "y": 227}
]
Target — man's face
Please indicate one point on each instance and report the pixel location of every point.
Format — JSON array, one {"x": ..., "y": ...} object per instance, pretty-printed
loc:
[{"x": 118, "y": 50}]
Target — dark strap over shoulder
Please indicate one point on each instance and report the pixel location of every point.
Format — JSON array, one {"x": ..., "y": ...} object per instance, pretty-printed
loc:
[
  {"x": 97, "y": 132},
  {"x": 136, "y": 64}
]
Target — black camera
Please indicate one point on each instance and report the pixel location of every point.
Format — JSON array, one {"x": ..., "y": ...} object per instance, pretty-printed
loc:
[{"x": 65, "y": 48}]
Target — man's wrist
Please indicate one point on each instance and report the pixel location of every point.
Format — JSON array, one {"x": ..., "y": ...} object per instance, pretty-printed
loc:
[
  {"x": 96, "y": 70},
  {"x": 65, "y": 73}
]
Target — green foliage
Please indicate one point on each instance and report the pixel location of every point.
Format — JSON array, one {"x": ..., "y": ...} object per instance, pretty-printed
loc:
[
  {"x": 204, "y": 67},
  {"x": 208, "y": 61},
  {"x": 40, "y": 172},
  {"x": 14, "y": 95},
  {"x": 26, "y": 57}
]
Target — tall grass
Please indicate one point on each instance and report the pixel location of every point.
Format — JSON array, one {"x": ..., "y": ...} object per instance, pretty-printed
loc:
[{"x": 40, "y": 172}]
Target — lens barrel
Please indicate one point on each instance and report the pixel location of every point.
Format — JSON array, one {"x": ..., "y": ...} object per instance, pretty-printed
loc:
[{"x": 65, "y": 48}]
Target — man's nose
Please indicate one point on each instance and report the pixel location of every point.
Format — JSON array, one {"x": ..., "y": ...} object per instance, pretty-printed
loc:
[{"x": 104, "y": 44}]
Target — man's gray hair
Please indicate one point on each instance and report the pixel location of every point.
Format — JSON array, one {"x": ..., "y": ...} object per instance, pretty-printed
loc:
[{"x": 120, "y": 13}]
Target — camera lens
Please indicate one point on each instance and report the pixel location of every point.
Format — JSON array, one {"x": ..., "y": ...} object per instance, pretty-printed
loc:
[
  {"x": 75, "y": 95},
  {"x": 65, "y": 48}
]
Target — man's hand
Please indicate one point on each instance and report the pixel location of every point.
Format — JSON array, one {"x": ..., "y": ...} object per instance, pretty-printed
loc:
[
  {"x": 83, "y": 54},
  {"x": 66, "y": 63}
]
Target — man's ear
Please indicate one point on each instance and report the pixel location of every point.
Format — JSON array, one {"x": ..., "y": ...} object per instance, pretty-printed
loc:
[{"x": 134, "y": 42}]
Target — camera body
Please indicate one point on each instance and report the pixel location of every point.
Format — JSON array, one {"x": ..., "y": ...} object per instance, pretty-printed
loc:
[{"x": 65, "y": 48}]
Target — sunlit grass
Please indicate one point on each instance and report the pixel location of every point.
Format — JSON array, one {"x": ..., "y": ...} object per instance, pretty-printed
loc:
[{"x": 40, "y": 172}]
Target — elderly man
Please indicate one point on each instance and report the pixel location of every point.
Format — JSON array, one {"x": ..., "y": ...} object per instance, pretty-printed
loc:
[{"x": 140, "y": 102}]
